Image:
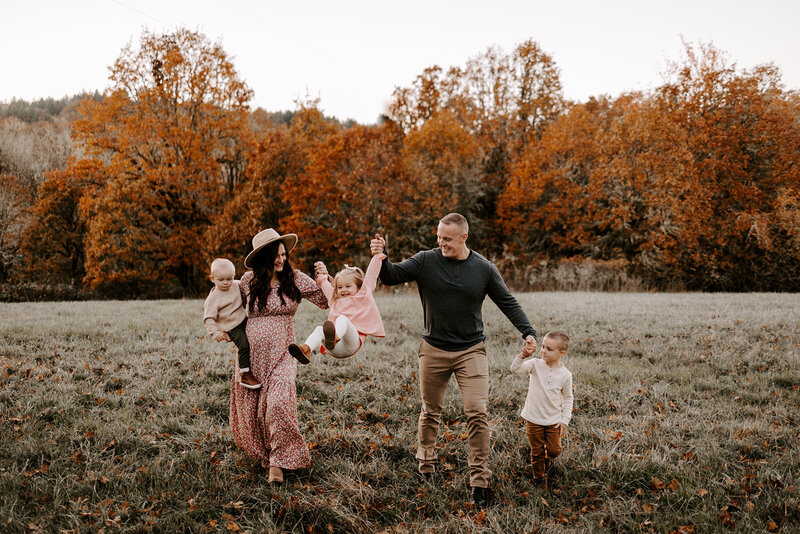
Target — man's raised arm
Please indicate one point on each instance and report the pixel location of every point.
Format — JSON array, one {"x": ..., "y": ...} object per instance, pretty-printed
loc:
[{"x": 395, "y": 273}]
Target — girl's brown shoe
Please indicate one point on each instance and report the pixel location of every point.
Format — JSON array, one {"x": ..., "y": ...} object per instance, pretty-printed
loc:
[{"x": 329, "y": 330}]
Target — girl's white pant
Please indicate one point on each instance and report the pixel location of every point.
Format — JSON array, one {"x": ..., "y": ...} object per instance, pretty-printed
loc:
[{"x": 349, "y": 339}]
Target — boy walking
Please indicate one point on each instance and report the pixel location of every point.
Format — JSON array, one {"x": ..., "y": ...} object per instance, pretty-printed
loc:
[{"x": 548, "y": 406}]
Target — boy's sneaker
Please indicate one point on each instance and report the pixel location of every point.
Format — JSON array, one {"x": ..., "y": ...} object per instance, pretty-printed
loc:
[
  {"x": 329, "y": 329},
  {"x": 301, "y": 353},
  {"x": 248, "y": 380},
  {"x": 551, "y": 470}
]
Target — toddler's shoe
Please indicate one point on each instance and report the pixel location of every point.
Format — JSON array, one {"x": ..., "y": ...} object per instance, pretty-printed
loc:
[
  {"x": 248, "y": 380},
  {"x": 329, "y": 330},
  {"x": 301, "y": 353}
]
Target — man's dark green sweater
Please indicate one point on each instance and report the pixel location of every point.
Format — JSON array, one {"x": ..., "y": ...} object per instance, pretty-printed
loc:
[{"x": 452, "y": 294}]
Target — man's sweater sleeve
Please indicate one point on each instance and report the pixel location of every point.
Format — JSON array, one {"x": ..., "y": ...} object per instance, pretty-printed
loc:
[
  {"x": 400, "y": 273},
  {"x": 504, "y": 300}
]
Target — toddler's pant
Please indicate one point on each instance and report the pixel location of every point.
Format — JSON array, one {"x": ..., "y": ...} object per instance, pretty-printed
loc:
[
  {"x": 239, "y": 337},
  {"x": 545, "y": 442},
  {"x": 349, "y": 338}
]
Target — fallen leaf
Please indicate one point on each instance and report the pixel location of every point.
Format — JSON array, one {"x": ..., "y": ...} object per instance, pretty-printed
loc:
[{"x": 480, "y": 517}]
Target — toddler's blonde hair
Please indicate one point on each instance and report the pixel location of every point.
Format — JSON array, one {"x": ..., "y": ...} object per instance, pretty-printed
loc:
[
  {"x": 355, "y": 272},
  {"x": 221, "y": 264}
]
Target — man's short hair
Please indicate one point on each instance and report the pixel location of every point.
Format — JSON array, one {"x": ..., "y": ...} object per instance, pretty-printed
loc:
[
  {"x": 561, "y": 338},
  {"x": 457, "y": 219}
]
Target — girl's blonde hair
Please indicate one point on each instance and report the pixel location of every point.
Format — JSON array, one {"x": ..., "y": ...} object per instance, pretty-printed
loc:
[{"x": 355, "y": 272}]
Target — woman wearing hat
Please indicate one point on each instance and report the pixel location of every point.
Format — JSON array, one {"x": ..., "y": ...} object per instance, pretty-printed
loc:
[{"x": 264, "y": 421}]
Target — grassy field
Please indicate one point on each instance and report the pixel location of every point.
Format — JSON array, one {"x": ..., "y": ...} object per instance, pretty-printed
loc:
[{"x": 687, "y": 418}]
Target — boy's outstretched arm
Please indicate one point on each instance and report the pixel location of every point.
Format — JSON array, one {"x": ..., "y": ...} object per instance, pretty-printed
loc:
[{"x": 521, "y": 365}]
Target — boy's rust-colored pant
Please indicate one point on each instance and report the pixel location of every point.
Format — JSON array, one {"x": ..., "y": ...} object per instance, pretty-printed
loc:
[
  {"x": 472, "y": 374},
  {"x": 545, "y": 442}
]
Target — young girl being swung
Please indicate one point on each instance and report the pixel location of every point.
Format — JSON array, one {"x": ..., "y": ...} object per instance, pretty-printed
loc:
[{"x": 353, "y": 314}]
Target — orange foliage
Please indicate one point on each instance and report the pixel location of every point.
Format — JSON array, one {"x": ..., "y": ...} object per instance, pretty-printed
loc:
[
  {"x": 173, "y": 130},
  {"x": 53, "y": 244},
  {"x": 446, "y": 158},
  {"x": 744, "y": 141},
  {"x": 14, "y": 202},
  {"x": 697, "y": 182},
  {"x": 280, "y": 157},
  {"x": 356, "y": 185},
  {"x": 503, "y": 100}
]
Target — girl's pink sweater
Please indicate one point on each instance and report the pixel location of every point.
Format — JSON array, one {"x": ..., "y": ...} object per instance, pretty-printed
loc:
[{"x": 359, "y": 308}]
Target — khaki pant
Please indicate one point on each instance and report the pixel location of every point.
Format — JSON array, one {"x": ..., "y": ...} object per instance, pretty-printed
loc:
[
  {"x": 472, "y": 374},
  {"x": 545, "y": 442}
]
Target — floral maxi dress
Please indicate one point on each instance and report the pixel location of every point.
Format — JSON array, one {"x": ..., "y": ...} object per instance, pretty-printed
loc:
[{"x": 264, "y": 421}]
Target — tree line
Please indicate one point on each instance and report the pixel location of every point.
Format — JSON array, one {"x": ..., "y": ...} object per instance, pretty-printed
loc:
[{"x": 692, "y": 185}]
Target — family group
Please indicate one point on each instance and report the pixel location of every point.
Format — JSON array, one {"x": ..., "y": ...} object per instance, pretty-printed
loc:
[{"x": 257, "y": 314}]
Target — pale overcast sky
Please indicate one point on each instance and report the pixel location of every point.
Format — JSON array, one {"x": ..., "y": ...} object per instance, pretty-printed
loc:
[{"x": 353, "y": 53}]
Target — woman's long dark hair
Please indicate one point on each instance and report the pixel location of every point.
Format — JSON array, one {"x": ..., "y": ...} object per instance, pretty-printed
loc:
[{"x": 263, "y": 269}]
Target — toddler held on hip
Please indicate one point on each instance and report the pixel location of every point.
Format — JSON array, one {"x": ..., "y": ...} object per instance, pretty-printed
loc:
[
  {"x": 353, "y": 313},
  {"x": 225, "y": 317},
  {"x": 548, "y": 405}
]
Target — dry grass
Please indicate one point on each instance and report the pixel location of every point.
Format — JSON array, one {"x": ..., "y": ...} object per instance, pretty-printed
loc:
[{"x": 114, "y": 417}]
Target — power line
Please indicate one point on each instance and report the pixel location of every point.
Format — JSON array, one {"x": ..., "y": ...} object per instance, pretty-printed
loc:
[
  {"x": 123, "y": 4},
  {"x": 276, "y": 28}
]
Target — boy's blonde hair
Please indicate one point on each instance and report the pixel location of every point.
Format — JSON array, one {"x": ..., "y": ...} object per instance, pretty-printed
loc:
[
  {"x": 561, "y": 338},
  {"x": 355, "y": 272},
  {"x": 221, "y": 264}
]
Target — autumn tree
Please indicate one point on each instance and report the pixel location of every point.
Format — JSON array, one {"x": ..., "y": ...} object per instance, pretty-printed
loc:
[
  {"x": 172, "y": 129},
  {"x": 14, "y": 204},
  {"x": 694, "y": 185},
  {"x": 278, "y": 161},
  {"x": 503, "y": 100},
  {"x": 577, "y": 191},
  {"x": 354, "y": 185},
  {"x": 29, "y": 151},
  {"x": 444, "y": 156},
  {"x": 54, "y": 241},
  {"x": 726, "y": 203}
]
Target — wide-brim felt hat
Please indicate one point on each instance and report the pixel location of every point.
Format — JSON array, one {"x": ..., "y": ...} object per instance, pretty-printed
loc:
[{"x": 264, "y": 238}]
